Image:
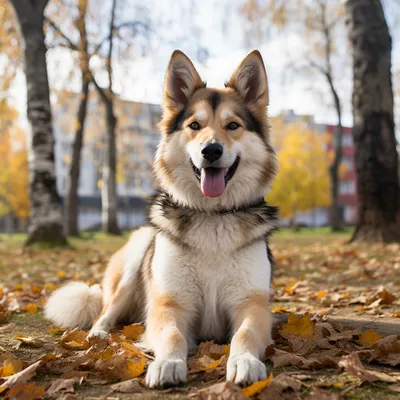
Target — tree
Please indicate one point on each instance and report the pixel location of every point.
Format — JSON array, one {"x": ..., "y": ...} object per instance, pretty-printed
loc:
[
  {"x": 376, "y": 156},
  {"x": 319, "y": 22},
  {"x": 71, "y": 198},
  {"x": 303, "y": 180},
  {"x": 46, "y": 217},
  {"x": 93, "y": 46}
]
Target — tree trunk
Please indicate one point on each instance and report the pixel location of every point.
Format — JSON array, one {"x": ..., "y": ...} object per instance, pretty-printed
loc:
[
  {"x": 109, "y": 188},
  {"x": 375, "y": 143},
  {"x": 71, "y": 198},
  {"x": 46, "y": 215}
]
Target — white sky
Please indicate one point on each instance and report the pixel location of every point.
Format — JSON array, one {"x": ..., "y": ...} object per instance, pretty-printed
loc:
[{"x": 216, "y": 26}]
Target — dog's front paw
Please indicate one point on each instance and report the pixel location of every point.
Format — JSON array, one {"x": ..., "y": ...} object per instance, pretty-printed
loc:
[
  {"x": 98, "y": 333},
  {"x": 245, "y": 369},
  {"x": 162, "y": 373}
]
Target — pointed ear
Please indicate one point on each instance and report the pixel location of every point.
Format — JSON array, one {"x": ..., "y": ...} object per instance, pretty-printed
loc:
[
  {"x": 181, "y": 81},
  {"x": 250, "y": 80}
]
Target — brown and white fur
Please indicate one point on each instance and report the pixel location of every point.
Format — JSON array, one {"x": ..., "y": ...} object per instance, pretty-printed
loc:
[{"x": 201, "y": 269}]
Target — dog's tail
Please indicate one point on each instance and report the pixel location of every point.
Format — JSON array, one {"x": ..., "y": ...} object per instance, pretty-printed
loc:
[{"x": 75, "y": 305}]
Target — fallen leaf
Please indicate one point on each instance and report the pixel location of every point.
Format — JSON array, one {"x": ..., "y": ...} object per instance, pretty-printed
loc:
[
  {"x": 219, "y": 391},
  {"x": 7, "y": 328},
  {"x": 133, "y": 350},
  {"x": 74, "y": 339},
  {"x": 20, "y": 377},
  {"x": 213, "y": 350},
  {"x": 395, "y": 388},
  {"x": 129, "y": 386},
  {"x": 103, "y": 355},
  {"x": 136, "y": 368},
  {"x": 26, "y": 391},
  {"x": 353, "y": 366},
  {"x": 396, "y": 315},
  {"x": 212, "y": 365},
  {"x": 299, "y": 326},
  {"x": 278, "y": 385},
  {"x": 62, "y": 385},
  {"x": 385, "y": 296},
  {"x": 10, "y": 367},
  {"x": 257, "y": 387},
  {"x": 56, "y": 330},
  {"x": 29, "y": 340},
  {"x": 369, "y": 337},
  {"x": 133, "y": 332},
  {"x": 61, "y": 274},
  {"x": 279, "y": 309},
  {"x": 31, "y": 308}
]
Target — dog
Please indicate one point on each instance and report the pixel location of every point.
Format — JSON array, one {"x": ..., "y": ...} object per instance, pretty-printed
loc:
[{"x": 201, "y": 269}]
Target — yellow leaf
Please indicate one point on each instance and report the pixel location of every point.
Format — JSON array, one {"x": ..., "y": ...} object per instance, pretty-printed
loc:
[
  {"x": 50, "y": 286},
  {"x": 36, "y": 289},
  {"x": 133, "y": 350},
  {"x": 396, "y": 315},
  {"x": 105, "y": 355},
  {"x": 1, "y": 292},
  {"x": 133, "y": 332},
  {"x": 56, "y": 330},
  {"x": 61, "y": 274},
  {"x": 11, "y": 366},
  {"x": 321, "y": 294},
  {"x": 369, "y": 337},
  {"x": 279, "y": 309},
  {"x": 227, "y": 349},
  {"x": 26, "y": 391},
  {"x": 18, "y": 288},
  {"x": 211, "y": 366},
  {"x": 74, "y": 339},
  {"x": 31, "y": 308},
  {"x": 299, "y": 326},
  {"x": 257, "y": 387},
  {"x": 136, "y": 368}
]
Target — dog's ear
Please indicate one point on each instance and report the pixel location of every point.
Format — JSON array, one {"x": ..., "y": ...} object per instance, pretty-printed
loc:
[
  {"x": 250, "y": 80},
  {"x": 181, "y": 81}
]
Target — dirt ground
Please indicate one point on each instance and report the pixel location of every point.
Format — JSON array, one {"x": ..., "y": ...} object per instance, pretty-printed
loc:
[{"x": 318, "y": 277}]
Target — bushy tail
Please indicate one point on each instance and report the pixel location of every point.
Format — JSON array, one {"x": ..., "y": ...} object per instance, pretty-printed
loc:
[{"x": 75, "y": 305}]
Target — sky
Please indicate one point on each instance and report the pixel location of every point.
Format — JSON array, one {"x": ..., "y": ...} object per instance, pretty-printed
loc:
[{"x": 214, "y": 25}]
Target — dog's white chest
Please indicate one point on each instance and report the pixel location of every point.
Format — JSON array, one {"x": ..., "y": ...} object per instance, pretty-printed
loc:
[{"x": 210, "y": 285}]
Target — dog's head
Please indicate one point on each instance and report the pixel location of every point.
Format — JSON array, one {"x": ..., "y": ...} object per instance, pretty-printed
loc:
[{"x": 215, "y": 150}]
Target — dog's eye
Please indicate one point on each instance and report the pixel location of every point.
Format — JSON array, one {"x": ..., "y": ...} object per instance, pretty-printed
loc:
[
  {"x": 195, "y": 126},
  {"x": 232, "y": 126}
]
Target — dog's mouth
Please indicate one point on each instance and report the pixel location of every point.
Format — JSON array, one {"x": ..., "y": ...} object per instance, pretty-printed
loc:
[{"x": 213, "y": 180}]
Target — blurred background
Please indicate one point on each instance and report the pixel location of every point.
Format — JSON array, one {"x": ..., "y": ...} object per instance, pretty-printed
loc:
[{"x": 106, "y": 61}]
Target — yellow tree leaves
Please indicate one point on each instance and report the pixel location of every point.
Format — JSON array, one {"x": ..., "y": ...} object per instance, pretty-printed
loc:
[
  {"x": 303, "y": 179},
  {"x": 299, "y": 326},
  {"x": 13, "y": 172}
]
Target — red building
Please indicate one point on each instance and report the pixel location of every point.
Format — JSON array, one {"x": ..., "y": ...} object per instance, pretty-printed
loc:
[{"x": 348, "y": 178}]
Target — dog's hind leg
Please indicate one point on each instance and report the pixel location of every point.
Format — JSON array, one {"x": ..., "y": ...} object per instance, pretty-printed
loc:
[{"x": 123, "y": 285}]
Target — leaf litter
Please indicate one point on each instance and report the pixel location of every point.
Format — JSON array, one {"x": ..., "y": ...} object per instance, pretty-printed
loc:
[{"x": 307, "y": 347}]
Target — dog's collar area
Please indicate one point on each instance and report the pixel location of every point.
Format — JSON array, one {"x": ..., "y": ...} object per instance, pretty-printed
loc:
[{"x": 165, "y": 200}]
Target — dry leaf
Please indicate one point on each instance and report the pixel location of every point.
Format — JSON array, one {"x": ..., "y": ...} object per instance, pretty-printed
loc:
[
  {"x": 103, "y": 355},
  {"x": 10, "y": 367},
  {"x": 133, "y": 332},
  {"x": 369, "y": 337},
  {"x": 26, "y": 391},
  {"x": 299, "y": 326},
  {"x": 136, "y": 368},
  {"x": 212, "y": 365},
  {"x": 74, "y": 339},
  {"x": 62, "y": 385},
  {"x": 257, "y": 387},
  {"x": 133, "y": 350},
  {"x": 31, "y": 308},
  {"x": 20, "y": 377},
  {"x": 130, "y": 386},
  {"x": 213, "y": 350},
  {"x": 278, "y": 385},
  {"x": 219, "y": 391},
  {"x": 29, "y": 340},
  {"x": 385, "y": 296},
  {"x": 353, "y": 366},
  {"x": 56, "y": 330},
  {"x": 7, "y": 328}
]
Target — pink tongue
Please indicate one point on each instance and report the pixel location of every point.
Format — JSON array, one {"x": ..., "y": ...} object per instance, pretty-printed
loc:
[{"x": 212, "y": 181}]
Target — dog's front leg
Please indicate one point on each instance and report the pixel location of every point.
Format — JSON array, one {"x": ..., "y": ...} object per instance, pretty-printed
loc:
[
  {"x": 252, "y": 322},
  {"x": 166, "y": 330}
]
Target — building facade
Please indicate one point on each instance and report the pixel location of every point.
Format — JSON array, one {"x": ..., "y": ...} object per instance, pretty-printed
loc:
[{"x": 137, "y": 139}]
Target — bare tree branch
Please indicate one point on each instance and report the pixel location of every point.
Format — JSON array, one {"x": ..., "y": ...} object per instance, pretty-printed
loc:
[{"x": 71, "y": 44}]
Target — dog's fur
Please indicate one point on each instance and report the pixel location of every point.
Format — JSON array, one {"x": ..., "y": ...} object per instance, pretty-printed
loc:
[{"x": 202, "y": 268}]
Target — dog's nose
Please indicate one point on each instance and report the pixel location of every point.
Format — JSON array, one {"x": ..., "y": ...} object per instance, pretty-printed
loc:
[{"x": 212, "y": 152}]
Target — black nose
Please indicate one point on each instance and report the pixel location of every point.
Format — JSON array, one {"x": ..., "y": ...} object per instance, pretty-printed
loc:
[{"x": 212, "y": 152}]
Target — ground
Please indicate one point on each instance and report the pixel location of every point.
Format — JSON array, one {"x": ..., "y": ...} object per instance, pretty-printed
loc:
[{"x": 319, "y": 281}]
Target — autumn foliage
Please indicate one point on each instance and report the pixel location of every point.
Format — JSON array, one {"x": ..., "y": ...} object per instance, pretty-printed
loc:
[{"x": 303, "y": 179}]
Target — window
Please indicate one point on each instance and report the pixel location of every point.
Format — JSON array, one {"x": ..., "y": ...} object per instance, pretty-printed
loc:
[{"x": 347, "y": 187}]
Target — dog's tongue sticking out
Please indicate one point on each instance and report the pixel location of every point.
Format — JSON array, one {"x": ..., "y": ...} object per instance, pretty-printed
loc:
[{"x": 213, "y": 181}]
